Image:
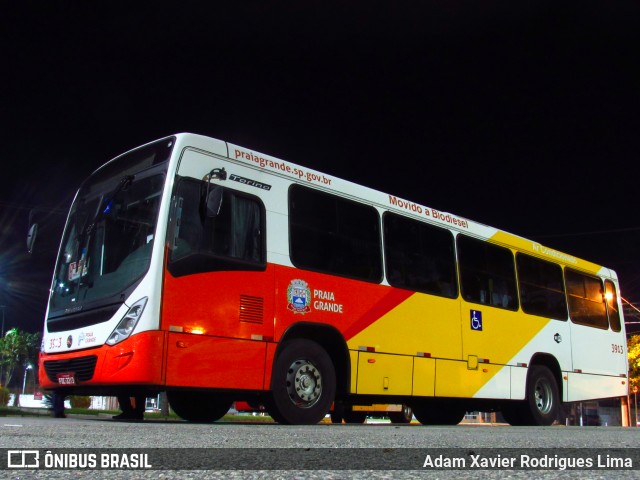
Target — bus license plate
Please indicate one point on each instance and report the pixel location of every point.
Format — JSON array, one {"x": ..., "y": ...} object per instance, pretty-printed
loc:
[{"x": 66, "y": 378}]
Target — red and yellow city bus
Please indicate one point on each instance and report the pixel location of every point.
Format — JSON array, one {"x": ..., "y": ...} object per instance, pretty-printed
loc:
[{"x": 218, "y": 274}]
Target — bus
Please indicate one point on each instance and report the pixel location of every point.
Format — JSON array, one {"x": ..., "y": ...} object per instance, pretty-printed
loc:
[{"x": 217, "y": 274}]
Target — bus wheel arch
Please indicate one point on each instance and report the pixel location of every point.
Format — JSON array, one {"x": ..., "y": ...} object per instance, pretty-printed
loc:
[
  {"x": 303, "y": 383},
  {"x": 332, "y": 341},
  {"x": 552, "y": 364}
]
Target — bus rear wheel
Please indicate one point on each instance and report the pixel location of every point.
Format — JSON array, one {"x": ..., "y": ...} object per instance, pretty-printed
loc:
[
  {"x": 198, "y": 406},
  {"x": 543, "y": 397},
  {"x": 542, "y": 403},
  {"x": 303, "y": 384}
]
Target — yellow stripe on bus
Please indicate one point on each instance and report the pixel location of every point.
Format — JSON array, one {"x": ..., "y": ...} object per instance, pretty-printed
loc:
[
  {"x": 422, "y": 323},
  {"x": 439, "y": 329},
  {"x": 528, "y": 246}
]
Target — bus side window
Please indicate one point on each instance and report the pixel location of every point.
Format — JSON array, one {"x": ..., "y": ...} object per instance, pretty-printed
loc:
[
  {"x": 611, "y": 297},
  {"x": 419, "y": 256},
  {"x": 586, "y": 299},
  {"x": 487, "y": 273},
  {"x": 541, "y": 287},
  {"x": 331, "y": 234},
  {"x": 232, "y": 240}
]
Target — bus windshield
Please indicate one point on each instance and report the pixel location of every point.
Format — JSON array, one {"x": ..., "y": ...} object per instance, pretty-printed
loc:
[{"x": 107, "y": 243}]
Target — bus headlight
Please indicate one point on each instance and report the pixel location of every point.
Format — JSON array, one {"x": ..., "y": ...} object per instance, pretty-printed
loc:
[{"x": 128, "y": 322}]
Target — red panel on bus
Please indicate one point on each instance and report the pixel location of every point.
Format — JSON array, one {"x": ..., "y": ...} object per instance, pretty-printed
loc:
[
  {"x": 213, "y": 362},
  {"x": 348, "y": 305},
  {"x": 226, "y": 304}
]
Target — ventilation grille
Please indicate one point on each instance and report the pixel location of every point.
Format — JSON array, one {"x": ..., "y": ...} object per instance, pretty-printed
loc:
[
  {"x": 82, "y": 367},
  {"x": 251, "y": 309}
]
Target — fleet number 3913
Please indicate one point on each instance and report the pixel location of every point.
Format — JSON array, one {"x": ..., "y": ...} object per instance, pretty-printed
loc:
[{"x": 616, "y": 348}]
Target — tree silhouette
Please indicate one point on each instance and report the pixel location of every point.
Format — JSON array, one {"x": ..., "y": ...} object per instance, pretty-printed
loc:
[
  {"x": 633, "y": 352},
  {"x": 17, "y": 349}
]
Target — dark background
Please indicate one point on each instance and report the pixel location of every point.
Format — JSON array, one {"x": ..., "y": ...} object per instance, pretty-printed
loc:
[{"x": 520, "y": 115}]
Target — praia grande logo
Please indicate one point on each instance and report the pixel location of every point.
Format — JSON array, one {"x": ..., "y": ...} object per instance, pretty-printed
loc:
[{"x": 299, "y": 296}]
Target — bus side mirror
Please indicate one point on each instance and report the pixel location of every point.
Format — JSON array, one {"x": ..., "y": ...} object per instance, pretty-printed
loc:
[
  {"x": 31, "y": 237},
  {"x": 214, "y": 201},
  {"x": 213, "y": 195}
]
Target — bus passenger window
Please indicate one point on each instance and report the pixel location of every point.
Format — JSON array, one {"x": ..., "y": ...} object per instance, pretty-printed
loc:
[
  {"x": 541, "y": 287},
  {"x": 233, "y": 240},
  {"x": 330, "y": 234},
  {"x": 611, "y": 298},
  {"x": 586, "y": 299},
  {"x": 419, "y": 256},
  {"x": 487, "y": 273}
]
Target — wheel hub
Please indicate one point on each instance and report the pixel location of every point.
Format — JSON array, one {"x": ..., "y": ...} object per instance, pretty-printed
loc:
[
  {"x": 304, "y": 383},
  {"x": 543, "y": 397}
]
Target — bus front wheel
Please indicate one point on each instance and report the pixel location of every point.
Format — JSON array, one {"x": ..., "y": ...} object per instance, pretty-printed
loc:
[
  {"x": 198, "y": 406},
  {"x": 303, "y": 384}
]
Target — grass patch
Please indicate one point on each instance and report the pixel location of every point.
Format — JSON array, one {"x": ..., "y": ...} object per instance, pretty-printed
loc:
[
  {"x": 23, "y": 412},
  {"x": 247, "y": 419}
]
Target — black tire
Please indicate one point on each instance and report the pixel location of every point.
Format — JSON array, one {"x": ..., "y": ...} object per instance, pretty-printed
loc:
[
  {"x": 198, "y": 406},
  {"x": 404, "y": 416},
  {"x": 354, "y": 417},
  {"x": 543, "y": 397},
  {"x": 303, "y": 384},
  {"x": 517, "y": 414},
  {"x": 337, "y": 413},
  {"x": 438, "y": 414},
  {"x": 542, "y": 405}
]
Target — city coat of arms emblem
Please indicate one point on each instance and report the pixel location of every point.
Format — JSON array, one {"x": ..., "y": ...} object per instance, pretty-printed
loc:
[{"x": 299, "y": 296}]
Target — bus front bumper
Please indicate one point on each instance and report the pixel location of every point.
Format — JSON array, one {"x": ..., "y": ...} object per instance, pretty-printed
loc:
[{"x": 134, "y": 361}]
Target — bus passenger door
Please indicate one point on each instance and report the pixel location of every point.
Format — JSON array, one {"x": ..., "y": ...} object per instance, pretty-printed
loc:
[
  {"x": 598, "y": 343},
  {"x": 218, "y": 288},
  {"x": 487, "y": 346}
]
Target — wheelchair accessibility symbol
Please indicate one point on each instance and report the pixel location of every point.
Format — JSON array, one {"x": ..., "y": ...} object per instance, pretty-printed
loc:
[{"x": 476, "y": 320}]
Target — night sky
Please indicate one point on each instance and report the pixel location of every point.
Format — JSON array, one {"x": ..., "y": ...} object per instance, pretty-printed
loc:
[{"x": 519, "y": 115}]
